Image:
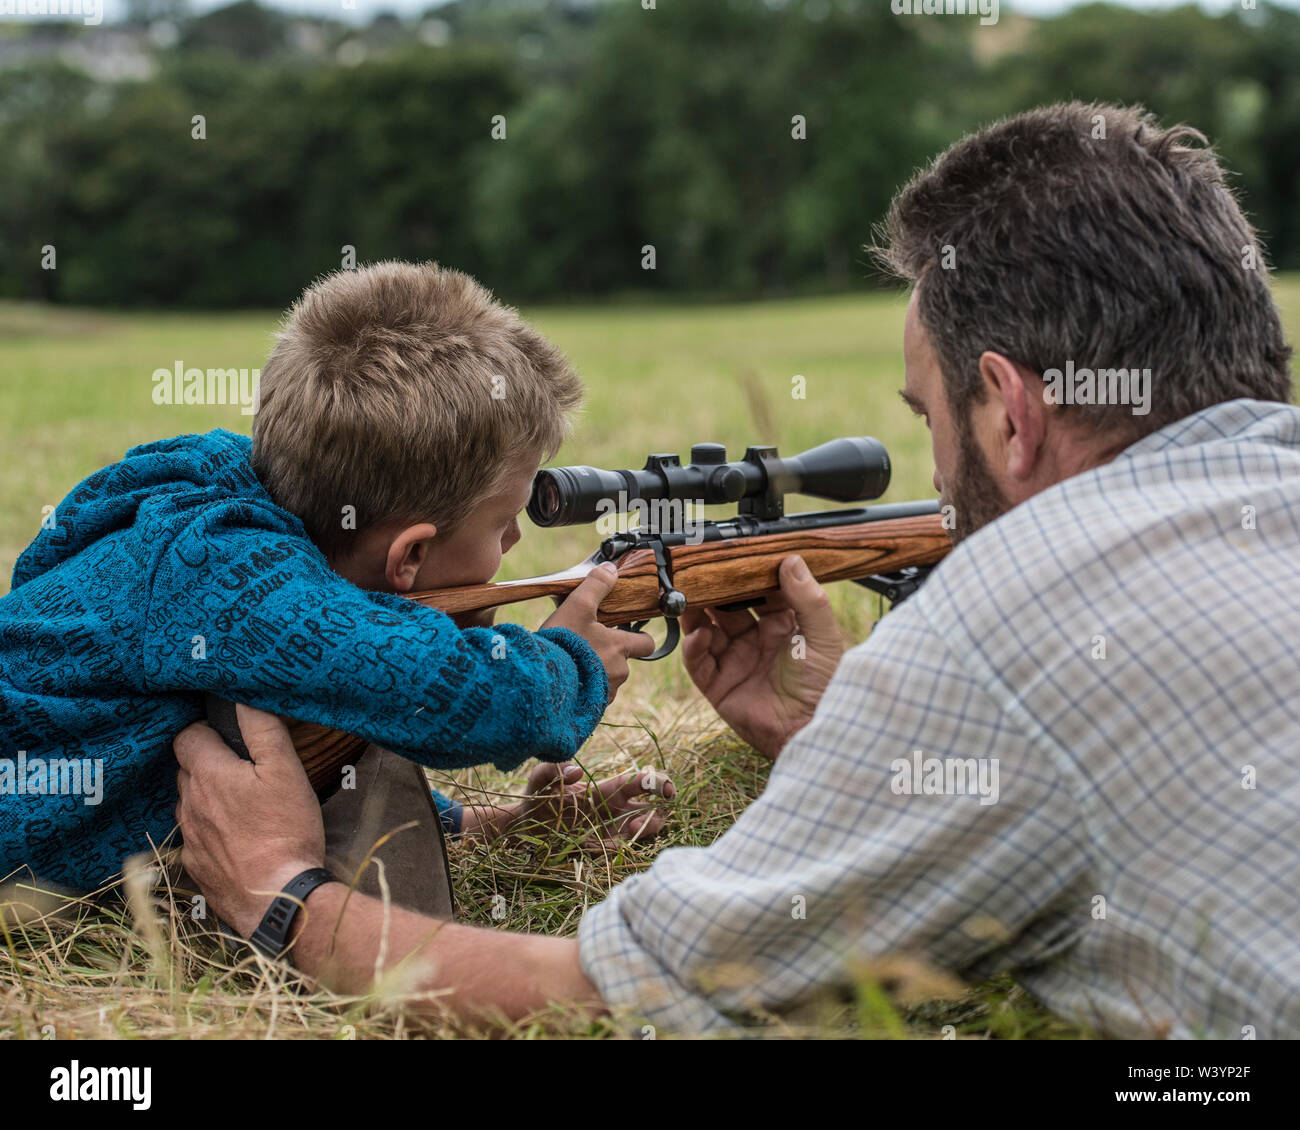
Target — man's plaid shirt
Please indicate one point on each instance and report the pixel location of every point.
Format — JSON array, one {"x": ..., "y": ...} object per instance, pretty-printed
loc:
[{"x": 1126, "y": 645}]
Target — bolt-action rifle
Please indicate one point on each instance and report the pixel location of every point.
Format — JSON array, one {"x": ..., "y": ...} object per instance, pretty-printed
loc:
[{"x": 673, "y": 560}]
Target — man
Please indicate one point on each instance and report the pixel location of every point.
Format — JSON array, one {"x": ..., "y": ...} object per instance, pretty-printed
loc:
[{"x": 1075, "y": 753}]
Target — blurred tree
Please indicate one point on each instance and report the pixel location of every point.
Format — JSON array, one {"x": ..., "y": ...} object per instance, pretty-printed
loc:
[
  {"x": 38, "y": 105},
  {"x": 246, "y": 29},
  {"x": 753, "y": 144}
]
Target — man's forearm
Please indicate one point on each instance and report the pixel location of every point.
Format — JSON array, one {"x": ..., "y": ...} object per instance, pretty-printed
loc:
[{"x": 477, "y": 973}]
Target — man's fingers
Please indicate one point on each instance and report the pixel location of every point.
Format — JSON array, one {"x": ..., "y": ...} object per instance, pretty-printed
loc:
[
  {"x": 810, "y": 604},
  {"x": 735, "y": 623},
  {"x": 199, "y": 740},
  {"x": 697, "y": 653},
  {"x": 693, "y": 619},
  {"x": 777, "y": 627},
  {"x": 265, "y": 735}
]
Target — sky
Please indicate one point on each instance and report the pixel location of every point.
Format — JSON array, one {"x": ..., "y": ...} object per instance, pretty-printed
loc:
[{"x": 362, "y": 10}]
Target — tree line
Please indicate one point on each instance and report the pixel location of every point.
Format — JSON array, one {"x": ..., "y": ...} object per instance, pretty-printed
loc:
[{"x": 728, "y": 148}]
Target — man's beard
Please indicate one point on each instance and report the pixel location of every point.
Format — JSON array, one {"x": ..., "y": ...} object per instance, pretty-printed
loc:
[{"x": 975, "y": 497}]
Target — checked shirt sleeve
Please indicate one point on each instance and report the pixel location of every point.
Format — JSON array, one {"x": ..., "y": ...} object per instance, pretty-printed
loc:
[{"x": 832, "y": 867}]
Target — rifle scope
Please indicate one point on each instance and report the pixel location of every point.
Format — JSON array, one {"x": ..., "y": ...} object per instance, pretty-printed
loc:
[{"x": 844, "y": 470}]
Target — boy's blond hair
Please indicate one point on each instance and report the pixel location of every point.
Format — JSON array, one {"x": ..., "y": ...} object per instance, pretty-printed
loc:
[{"x": 405, "y": 391}]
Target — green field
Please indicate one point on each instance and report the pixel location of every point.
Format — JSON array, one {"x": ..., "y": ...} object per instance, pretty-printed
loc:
[{"x": 77, "y": 391}]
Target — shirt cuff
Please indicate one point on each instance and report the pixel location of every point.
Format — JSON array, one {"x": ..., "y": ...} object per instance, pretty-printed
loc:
[
  {"x": 634, "y": 984},
  {"x": 449, "y": 813}
]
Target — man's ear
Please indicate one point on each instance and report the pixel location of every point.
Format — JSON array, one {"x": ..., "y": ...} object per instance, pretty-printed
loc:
[
  {"x": 407, "y": 553},
  {"x": 1022, "y": 413}
]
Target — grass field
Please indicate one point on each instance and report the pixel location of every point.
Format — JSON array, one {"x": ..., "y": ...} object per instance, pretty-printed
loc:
[{"x": 77, "y": 390}]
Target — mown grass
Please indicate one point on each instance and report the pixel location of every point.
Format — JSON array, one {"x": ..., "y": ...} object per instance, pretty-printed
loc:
[{"x": 77, "y": 390}]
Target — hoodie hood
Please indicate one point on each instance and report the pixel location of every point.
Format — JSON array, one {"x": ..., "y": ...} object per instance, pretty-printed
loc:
[{"x": 178, "y": 473}]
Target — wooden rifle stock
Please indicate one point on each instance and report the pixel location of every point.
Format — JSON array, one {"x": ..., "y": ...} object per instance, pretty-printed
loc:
[{"x": 708, "y": 574}]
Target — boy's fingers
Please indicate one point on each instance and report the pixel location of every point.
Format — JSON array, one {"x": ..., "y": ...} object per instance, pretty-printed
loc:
[
  {"x": 637, "y": 643},
  {"x": 586, "y": 598},
  {"x": 618, "y": 786},
  {"x": 648, "y": 826},
  {"x": 616, "y": 672},
  {"x": 634, "y": 829},
  {"x": 546, "y": 776},
  {"x": 638, "y": 782}
]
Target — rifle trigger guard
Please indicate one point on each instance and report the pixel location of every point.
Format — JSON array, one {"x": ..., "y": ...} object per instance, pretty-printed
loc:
[{"x": 671, "y": 640}]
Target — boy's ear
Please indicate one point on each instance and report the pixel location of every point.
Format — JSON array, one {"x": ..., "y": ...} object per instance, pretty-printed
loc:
[{"x": 407, "y": 553}]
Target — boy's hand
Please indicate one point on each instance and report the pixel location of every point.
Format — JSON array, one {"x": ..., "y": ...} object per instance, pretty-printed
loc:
[
  {"x": 484, "y": 618},
  {"x": 561, "y": 798},
  {"x": 613, "y": 645}
]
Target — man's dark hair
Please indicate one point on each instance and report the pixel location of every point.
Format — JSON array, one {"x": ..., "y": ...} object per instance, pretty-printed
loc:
[{"x": 1088, "y": 233}]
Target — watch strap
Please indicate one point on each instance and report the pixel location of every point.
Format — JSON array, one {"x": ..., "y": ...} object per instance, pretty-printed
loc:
[{"x": 272, "y": 934}]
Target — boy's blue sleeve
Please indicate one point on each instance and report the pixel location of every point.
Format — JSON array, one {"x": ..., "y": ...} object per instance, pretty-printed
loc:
[
  {"x": 258, "y": 616},
  {"x": 450, "y": 813}
]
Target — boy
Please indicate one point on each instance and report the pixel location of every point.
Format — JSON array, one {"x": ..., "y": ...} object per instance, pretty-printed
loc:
[{"x": 402, "y": 417}]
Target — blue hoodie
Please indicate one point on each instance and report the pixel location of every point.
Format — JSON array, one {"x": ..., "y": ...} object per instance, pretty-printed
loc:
[{"x": 173, "y": 573}]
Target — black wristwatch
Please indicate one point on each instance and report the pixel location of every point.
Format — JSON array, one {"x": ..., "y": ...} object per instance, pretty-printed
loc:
[{"x": 272, "y": 933}]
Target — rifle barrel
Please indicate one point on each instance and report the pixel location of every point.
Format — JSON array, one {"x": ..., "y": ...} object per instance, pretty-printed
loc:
[{"x": 709, "y": 573}]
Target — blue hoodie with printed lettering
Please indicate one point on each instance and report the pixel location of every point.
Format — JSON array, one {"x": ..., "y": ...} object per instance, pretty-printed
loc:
[{"x": 173, "y": 573}]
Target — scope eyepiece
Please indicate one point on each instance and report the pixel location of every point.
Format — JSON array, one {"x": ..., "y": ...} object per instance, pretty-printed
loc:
[{"x": 853, "y": 469}]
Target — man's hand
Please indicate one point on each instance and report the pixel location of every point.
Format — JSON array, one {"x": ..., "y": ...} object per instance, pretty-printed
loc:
[
  {"x": 613, "y": 645},
  {"x": 249, "y": 826},
  {"x": 765, "y": 674}
]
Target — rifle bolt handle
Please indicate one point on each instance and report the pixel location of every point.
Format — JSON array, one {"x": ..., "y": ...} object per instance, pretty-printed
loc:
[{"x": 672, "y": 604}]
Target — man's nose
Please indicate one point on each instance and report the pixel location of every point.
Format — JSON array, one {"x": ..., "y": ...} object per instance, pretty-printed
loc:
[{"x": 938, "y": 485}]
